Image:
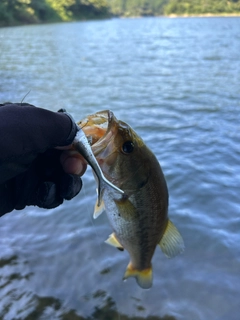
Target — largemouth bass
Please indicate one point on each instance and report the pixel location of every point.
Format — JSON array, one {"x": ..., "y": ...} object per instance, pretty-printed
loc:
[{"x": 139, "y": 217}]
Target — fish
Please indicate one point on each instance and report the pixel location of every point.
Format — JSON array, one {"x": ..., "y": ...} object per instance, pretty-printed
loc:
[{"x": 139, "y": 216}]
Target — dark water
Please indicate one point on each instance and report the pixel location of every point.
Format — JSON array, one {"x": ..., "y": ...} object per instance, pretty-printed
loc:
[{"x": 177, "y": 82}]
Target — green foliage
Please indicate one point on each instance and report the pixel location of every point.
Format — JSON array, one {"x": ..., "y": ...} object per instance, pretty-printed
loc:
[
  {"x": 16, "y": 10},
  {"x": 178, "y": 7},
  {"x": 90, "y": 9},
  {"x": 61, "y": 7},
  {"x": 189, "y": 7},
  {"x": 36, "y": 11},
  {"x": 137, "y": 7}
]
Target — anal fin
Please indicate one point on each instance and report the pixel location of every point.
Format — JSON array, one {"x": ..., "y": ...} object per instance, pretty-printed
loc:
[{"x": 113, "y": 241}]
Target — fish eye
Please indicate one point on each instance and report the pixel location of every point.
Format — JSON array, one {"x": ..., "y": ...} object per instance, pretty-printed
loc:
[{"x": 127, "y": 147}]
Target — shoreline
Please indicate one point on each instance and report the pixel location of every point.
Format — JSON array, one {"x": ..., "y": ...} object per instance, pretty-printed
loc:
[
  {"x": 204, "y": 15},
  {"x": 173, "y": 15},
  {"x": 170, "y": 16}
]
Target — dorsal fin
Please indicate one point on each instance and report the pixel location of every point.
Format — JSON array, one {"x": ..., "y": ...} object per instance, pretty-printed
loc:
[{"x": 171, "y": 242}]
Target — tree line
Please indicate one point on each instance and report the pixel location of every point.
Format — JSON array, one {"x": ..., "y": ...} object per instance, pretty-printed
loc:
[
  {"x": 14, "y": 12},
  {"x": 177, "y": 7}
]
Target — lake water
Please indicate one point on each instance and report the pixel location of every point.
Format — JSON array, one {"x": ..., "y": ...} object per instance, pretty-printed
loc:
[{"x": 177, "y": 83}]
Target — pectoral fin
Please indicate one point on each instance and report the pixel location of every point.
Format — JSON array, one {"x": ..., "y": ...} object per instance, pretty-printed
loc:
[
  {"x": 98, "y": 209},
  {"x": 143, "y": 277},
  {"x": 125, "y": 209},
  {"x": 113, "y": 241},
  {"x": 171, "y": 242}
]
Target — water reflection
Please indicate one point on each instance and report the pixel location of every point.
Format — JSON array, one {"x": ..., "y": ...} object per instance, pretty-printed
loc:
[
  {"x": 7, "y": 278},
  {"x": 14, "y": 275},
  {"x": 108, "y": 311},
  {"x": 17, "y": 300}
]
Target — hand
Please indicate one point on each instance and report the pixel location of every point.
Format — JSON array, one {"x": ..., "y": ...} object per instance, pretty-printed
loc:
[{"x": 37, "y": 165}]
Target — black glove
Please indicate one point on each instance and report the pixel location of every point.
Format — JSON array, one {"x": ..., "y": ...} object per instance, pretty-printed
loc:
[{"x": 30, "y": 171}]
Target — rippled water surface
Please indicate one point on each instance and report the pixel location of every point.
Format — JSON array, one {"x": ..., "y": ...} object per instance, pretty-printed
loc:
[{"x": 177, "y": 83}]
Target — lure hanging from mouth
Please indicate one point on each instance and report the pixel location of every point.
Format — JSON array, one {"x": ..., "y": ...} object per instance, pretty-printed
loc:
[{"x": 81, "y": 144}]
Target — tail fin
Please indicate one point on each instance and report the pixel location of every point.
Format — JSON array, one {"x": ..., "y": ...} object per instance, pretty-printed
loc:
[{"x": 143, "y": 277}]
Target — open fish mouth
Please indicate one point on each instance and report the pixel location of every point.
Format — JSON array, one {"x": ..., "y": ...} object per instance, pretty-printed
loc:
[{"x": 97, "y": 125}]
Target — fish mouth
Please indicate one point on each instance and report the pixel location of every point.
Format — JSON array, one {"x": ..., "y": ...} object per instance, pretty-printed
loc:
[{"x": 99, "y": 129}]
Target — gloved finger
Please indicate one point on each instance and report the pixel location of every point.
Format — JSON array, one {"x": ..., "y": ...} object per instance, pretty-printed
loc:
[
  {"x": 30, "y": 129},
  {"x": 39, "y": 185},
  {"x": 7, "y": 197},
  {"x": 70, "y": 186},
  {"x": 48, "y": 196}
]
